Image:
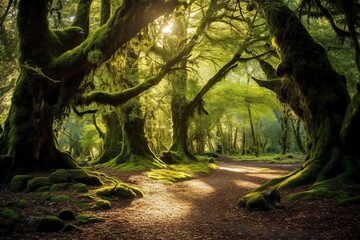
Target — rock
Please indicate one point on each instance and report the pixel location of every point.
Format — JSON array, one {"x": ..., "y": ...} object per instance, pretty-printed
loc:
[
  {"x": 66, "y": 214},
  {"x": 80, "y": 187},
  {"x": 81, "y": 176},
  {"x": 36, "y": 183},
  {"x": 18, "y": 204},
  {"x": 71, "y": 228},
  {"x": 121, "y": 190},
  {"x": 44, "y": 224},
  {"x": 59, "y": 176},
  {"x": 19, "y": 182},
  {"x": 59, "y": 187},
  {"x": 86, "y": 218},
  {"x": 102, "y": 204},
  {"x": 10, "y": 215},
  {"x": 60, "y": 198}
]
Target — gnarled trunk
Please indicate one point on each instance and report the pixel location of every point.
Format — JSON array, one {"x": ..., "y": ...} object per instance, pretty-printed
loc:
[{"x": 318, "y": 94}]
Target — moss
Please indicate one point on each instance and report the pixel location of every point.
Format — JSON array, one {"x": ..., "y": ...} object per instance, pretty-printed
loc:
[
  {"x": 311, "y": 195},
  {"x": 135, "y": 163},
  {"x": 102, "y": 204},
  {"x": 35, "y": 183},
  {"x": 95, "y": 57},
  {"x": 10, "y": 215},
  {"x": 45, "y": 224},
  {"x": 20, "y": 204},
  {"x": 19, "y": 182},
  {"x": 80, "y": 188},
  {"x": 71, "y": 228},
  {"x": 86, "y": 218},
  {"x": 252, "y": 201},
  {"x": 41, "y": 196},
  {"x": 168, "y": 176},
  {"x": 348, "y": 200},
  {"x": 60, "y": 198},
  {"x": 43, "y": 189},
  {"x": 121, "y": 191},
  {"x": 80, "y": 175},
  {"x": 66, "y": 214},
  {"x": 59, "y": 176},
  {"x": 59, "y": 187}
]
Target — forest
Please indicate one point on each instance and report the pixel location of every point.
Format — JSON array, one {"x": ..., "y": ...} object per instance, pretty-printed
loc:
[{"x": 179, "y": 119}]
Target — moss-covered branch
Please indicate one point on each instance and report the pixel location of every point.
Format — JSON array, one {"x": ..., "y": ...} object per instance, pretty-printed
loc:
[
  {"x": 122, "y": 97},
  {"x": 105, "y": 11},
  {"x": 218, "y": 76},
  {"x": 125, "y": 23}
]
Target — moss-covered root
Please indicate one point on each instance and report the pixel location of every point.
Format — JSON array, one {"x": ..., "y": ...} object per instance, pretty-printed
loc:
[
  {"x": 341, "y": 188},
  {"x": 260, "y": 200},
  {"x": 120, "y": 190}
]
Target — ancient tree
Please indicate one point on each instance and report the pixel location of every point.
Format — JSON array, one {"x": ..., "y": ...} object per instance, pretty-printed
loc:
[
  {"x": 53, "y": 66},
  {"x": 318, "y": 95}
]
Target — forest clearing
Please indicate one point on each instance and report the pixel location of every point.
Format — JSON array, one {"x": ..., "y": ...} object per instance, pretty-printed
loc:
[
  {"x": 179, "y": 119},
  {"x": 201, "y": 208}
]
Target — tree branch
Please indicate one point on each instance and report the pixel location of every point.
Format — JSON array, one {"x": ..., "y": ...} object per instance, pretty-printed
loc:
[
  {"x": 3, "y": 17},
  {"x": 218, "y": 76},
  {"x": 126, "y": 22}
]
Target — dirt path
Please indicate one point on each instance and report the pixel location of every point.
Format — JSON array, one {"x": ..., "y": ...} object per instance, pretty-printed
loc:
[{"x": 204, "y": 208}]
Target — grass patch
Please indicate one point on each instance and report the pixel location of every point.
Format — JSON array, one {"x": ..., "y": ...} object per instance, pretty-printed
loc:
[
  {"x": 272, "y": 158},
  {"x": 180, "y": 172}
]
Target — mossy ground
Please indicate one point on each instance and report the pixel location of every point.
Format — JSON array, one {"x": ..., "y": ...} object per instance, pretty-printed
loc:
[{"x": 272, "y": 158}]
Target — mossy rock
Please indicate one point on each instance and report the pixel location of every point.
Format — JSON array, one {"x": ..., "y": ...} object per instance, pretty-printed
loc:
[
  {"x": 66, "y": 214},
  {"x": 43, "y": 189},
  {"x": 81, "y": 176},
  {"x": 10, "y": 215},
  {"x": 45, "y": 224},
  {"x": 102, "y": 204},
  {"x": 59, "y": 176},
  {"x": 18, "y": 204},
  {"x": 60, "y": 198},
  {"x": 36, "y": 183},
  {"x": 59, "y": 187},
  {"x": 86, "y": 218},
  {"x": 80, "y": 187},
  {"x": 121, "y": 191},
  {"x": 41, "y": 196},
  {"x": 19, "y": 182},
  {"x": 252, "y": 201},
  {"x": 71, "y": 228}
]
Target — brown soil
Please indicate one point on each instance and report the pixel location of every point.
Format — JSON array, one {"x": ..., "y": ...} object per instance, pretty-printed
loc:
[{"x": 202, "y": 208}]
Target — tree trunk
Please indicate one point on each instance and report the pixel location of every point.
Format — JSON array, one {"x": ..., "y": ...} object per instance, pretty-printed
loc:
[
  {"x": 295, "y": 124},
  {"x": 51, "y": 76},
  {"x": 321, "y": 102},
  {"x": 284, "y": 120},
  {"x": 255, "y": 145},
  {"x": 243, "y": 148},
  {"x": 112, "y": 139}
]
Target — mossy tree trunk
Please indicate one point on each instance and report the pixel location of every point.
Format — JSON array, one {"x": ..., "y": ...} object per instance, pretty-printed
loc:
[
  {"x": 113, "y": 137},
  {"x": 284, "y": 122},
  {"x": 318, "y": 94},
  {"x": 53, "y": 65}
]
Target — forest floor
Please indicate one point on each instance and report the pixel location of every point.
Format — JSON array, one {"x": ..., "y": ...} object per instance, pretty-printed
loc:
[{"x": 203, "y": 208}]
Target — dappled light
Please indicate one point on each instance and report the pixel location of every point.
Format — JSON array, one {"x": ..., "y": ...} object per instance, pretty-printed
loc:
[{"x": 179, "y": 119}]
